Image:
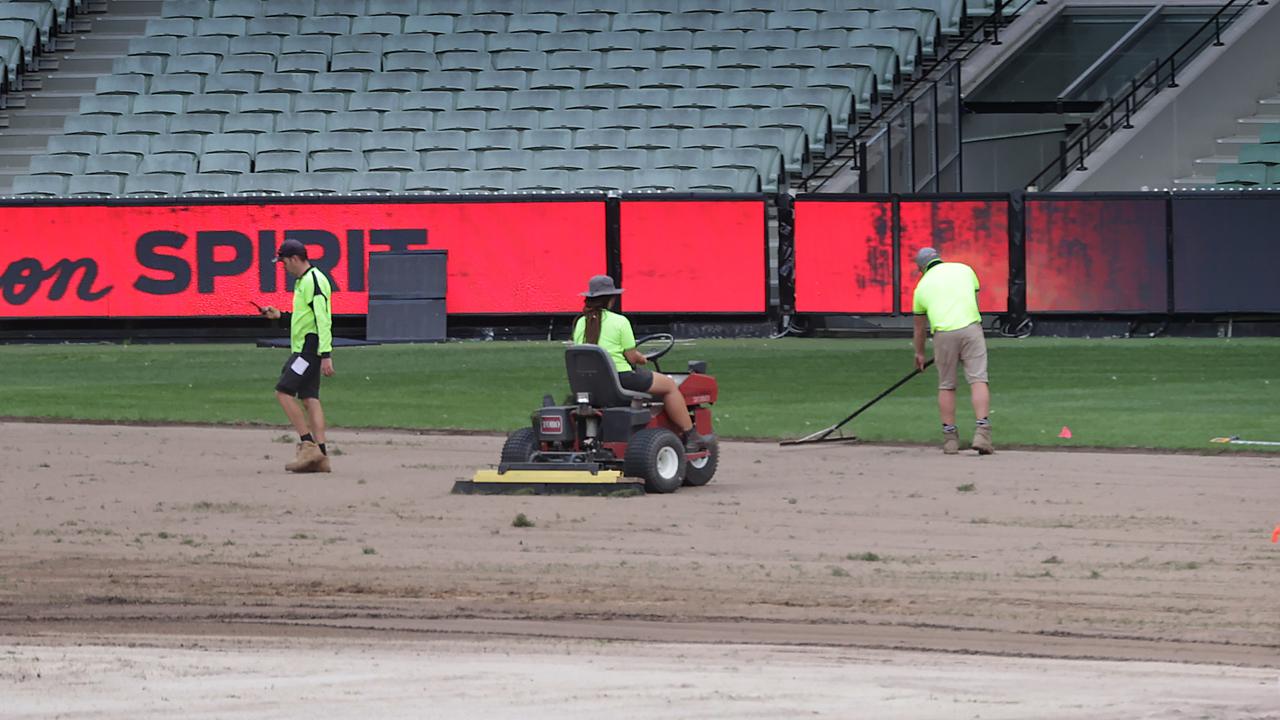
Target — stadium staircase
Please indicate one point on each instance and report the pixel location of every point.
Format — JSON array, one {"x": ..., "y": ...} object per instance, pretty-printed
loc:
[
  {"x": 71, "y": 52},
  {"x": 1249, "y": 158}
]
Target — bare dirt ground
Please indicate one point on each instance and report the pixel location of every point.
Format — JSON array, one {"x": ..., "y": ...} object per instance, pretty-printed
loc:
[{"x": 144, "y": 570}]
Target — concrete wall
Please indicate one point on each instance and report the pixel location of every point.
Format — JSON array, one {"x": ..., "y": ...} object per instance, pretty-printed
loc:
[{"x": 1181, "y": 124}]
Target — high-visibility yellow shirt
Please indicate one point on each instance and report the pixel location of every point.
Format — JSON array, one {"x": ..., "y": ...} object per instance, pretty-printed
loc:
[
  {"x": 312, "y": 313},
  {"x": 947, "y": 293},
  {"x": 616, "y": 337}
]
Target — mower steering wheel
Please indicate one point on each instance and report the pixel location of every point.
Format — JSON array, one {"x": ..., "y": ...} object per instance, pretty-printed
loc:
[{"x": 667, "y": 338}]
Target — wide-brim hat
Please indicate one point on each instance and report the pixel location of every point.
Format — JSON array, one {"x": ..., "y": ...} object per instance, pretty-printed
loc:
[{"x": 601, "y": 285}]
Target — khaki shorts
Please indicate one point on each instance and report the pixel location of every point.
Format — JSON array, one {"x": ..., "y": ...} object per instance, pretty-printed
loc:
[{"x": 953, "y": 347}]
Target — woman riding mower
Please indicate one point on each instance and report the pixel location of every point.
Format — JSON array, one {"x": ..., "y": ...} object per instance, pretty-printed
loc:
[{"x": 599, "y": 326}]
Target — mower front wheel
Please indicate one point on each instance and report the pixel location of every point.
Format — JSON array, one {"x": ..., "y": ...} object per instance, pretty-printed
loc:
[
  {"x": 520, "y": 446},
  {"x": 703, "y": 469},
  {"x": 656, "y": 455}
]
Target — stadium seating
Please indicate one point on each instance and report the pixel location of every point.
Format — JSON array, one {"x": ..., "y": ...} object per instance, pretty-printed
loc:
[
  {"x": 26, "y": 28},
  {"x": 1259, "y": 164},
  {"x": 321, "y": 96}
]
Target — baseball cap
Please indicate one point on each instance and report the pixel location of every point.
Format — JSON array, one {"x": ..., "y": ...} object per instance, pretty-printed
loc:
[
  {"x": 291, "y": 248},
  {"x": 926, "y": 257}
]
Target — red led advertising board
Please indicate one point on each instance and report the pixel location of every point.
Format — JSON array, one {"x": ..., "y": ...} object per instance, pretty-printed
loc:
[
  {"x": 1097, "y": 255},
  {"x": 844, "y": 256},
  {"x": 974, "y": 232},
  {"x": 693, "y": 256},
  {"x": 212, "y": 260}
]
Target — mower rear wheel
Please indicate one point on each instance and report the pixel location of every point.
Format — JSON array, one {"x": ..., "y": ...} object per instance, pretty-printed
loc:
[
  {"x": 520, "y": 446},
  {"x": 656, "y": 455},
  {"x": 703, "y": 469}
]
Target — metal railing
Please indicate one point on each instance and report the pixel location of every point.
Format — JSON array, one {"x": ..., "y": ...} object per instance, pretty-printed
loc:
[
  {"x": 943, "y": 70},
  {"x": 1117, "y": 112}
]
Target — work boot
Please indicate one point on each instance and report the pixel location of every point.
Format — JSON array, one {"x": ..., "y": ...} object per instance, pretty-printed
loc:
[
  {"x": 308, "y": 455},
  {"x": 693, "y": 442},
  {"x": 982, "y": 440},
  {"x": 322, "y": 465},
  {"x": 950, "y": 442}
]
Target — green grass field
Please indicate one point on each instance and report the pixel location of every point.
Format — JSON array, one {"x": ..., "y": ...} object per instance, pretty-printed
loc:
[{"x": 1170, "y": 394}]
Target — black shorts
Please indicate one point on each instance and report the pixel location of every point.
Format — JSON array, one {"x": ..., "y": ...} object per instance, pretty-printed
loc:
[
  {"x": 638, "y": 380},
  {"x": 300, "y": 376}
]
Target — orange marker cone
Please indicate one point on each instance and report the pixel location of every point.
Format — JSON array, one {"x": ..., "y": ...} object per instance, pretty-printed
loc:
[
  {"x": 1066, "y": 433},
  {"x": 1275, "y": 534}
]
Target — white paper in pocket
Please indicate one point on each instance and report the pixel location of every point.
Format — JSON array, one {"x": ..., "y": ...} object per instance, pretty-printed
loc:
[{"x": 300, "y": 366}]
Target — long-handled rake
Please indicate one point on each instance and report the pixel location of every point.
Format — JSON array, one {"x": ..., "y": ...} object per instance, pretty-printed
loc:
[
  {"x": 821, "y": 436},
  {"x": 1235, "y": 440}
]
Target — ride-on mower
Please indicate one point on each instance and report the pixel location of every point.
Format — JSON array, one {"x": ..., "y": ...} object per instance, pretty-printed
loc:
[{"x": 605, "y": 438}]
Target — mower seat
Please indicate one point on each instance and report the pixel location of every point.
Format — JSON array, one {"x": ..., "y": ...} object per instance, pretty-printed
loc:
[{"x": 591, "y": 371}]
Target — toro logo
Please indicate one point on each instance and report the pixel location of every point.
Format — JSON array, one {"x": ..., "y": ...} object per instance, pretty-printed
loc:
[
  {"x": 552, "y": 425},
  {"x": 699, "y": 399}
]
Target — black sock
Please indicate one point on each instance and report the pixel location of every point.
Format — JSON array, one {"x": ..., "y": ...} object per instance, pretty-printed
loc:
[
  {"x": 983, "y": 422},
  {"x": 322, "y": 450},
  {"x": 948, "y": 428},
  {"x": 306, "y": 438}
]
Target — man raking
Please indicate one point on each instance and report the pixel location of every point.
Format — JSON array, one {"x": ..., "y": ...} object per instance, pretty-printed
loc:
[{"x": 946, "y": 299}]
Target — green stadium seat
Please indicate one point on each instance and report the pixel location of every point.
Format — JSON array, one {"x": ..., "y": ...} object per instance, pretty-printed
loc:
[
  {"x": 486, "y": 181},
  {"x": 192, "y": 9},
  {"x": 138, "y": 146},
  {"x": 152, "y": 185},
  {"x": 168, "y": 164},
  {"x": 281, "y": 26},
  {"x": 1270, "y": 133},
  {"x": 543, "y": 181},
  {"x": 481, "y": 24},
  {"x": 450, "y": 160},
  {"x": 142, "y": 125},
  {"x": 540, "y": 23},
  {"x": 290, "y": 8},
  {"x": 121, "y": 164},
  {"x": 215, "y": 47},
  {"x": 377, "y": 25},
  {"x": 565, "y": 160},
  {"x": 376, "y": 182},
  {"x": 40, "y": 185},
  {"x": 81, "y": 145},
  {"x": 189, "y": 145},
  {"x": 196, "y": 123},
  {"x": 513, "y": 160},
  {"x": 483, "y": 140},
  {"x": 603, "y": 139},
  {"x": 678, "y": 159},
  {"x": 280, "y": 162},
  {"x": 1265, "y": 154},
  {"x": 620, "y": 159},
  {"x": 706, "y": 138},
  {"x": 210, "y": 184},
  {"x": 66, "y": 165},
  {"x": 349, "y": 8},
  {"x": 95, "y": 185},
  {"x": 1244, "y": 175},
  {"x": 647, "y": 139},
  {"x": 321, "y": 183},
  {"x": 263, "y": 184},
  {"x": 114, "y": 105},
  {"x": 518, "y": 120},
  {"x": 740, "y": 20},
  {"x": 691, "y": 22},
  {"x": 844, "y": 20},
  {"x": 89, "y": 125},
  {"x": 431, "y": 181},
  {"x": 303, "y": 122}
]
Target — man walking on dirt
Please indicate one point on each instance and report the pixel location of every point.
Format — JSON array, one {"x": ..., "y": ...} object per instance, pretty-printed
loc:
[
  {"x": 311, "y": 341},
  {"x": 946, "y": 300}
]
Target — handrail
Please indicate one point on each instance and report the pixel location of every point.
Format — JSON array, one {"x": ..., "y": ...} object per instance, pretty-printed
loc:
[
  {"x": 1084, "y": 140},
  {"x": 992, "y": 23}
]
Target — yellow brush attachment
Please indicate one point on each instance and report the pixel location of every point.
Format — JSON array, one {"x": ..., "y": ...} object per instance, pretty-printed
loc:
[{"x": 548, "y": 476}]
